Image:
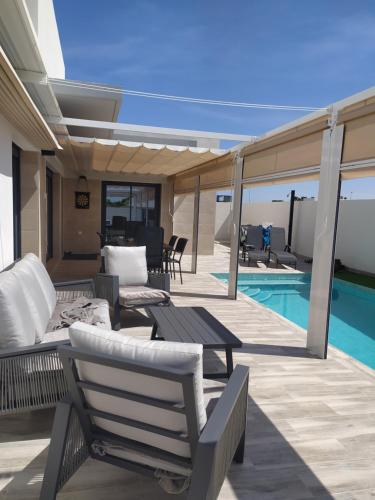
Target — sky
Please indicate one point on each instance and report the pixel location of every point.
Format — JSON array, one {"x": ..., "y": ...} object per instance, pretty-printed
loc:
[{"x": 288, "y": 52}]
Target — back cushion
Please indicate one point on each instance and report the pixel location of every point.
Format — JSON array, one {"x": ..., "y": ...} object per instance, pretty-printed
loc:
[
  {"x": 35, "y": 297},
  {"x": 167, "y": 354},
  {"x": 41, "y": 275},
  {"x": 128, "y": 263},
  {"x": 16, "y": 323}
]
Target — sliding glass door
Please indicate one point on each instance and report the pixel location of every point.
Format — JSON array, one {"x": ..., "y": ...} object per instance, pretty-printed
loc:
[{"x": 126, "y": 205}]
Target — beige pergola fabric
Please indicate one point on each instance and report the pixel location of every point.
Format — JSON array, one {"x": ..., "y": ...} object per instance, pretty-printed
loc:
[
  {"x": 359, "y": 142},
  {"x": 295, "y": 154},
  {"x": 103, "y": 155},
  {"x": 214, "y": 174},
  {"x": 19, "y": 109}
]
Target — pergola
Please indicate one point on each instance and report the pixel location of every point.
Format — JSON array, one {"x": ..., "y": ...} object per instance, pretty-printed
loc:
[{"x": 328, "y": 145}]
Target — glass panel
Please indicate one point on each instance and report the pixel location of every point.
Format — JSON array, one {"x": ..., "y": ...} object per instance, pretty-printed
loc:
[{"x": 126, "y": 203}]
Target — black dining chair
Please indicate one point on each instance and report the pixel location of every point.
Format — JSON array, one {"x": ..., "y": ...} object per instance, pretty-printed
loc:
[
  {"x": 168, "y": 250},
  {"x": 152, "y": 238},
  {"x": 177, "y": 256}
]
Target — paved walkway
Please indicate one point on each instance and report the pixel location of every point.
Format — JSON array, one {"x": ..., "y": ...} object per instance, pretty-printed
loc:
[{"x": 311, "y": 423}]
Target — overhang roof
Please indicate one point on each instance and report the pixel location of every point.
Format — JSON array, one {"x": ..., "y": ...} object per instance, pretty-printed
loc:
[
  {"x": 20, "y": 110},
  {"x": 82, "y": 101},
  {"x": 105, "y": 155}
]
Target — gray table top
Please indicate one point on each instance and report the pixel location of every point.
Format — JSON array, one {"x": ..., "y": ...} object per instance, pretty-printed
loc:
[{"x": 194, "y": 325}]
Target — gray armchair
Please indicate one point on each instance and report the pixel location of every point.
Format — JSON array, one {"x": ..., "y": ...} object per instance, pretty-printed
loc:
[
  {"x": 127, "y": 283},
  {"x": 200, "y": 458}
]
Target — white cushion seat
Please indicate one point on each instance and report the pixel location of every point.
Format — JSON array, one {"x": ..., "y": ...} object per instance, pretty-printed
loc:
[
  {"x": 167, "y": 354},
  {"x": 132, "y": 296},
  {"x": 17, "y": 327},
  {"x": 38, "y": 296},
  {"x": 128, "y": 263},
  {"x": 212, "y": 391}
]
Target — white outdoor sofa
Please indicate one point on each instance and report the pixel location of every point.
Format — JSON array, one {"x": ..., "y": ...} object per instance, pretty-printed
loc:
[{"x": 31, "y": 375}]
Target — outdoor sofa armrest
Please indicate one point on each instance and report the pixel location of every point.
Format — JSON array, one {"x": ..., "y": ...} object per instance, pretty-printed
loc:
[
  {"x": 32, "y": 349},
  {"x": 222, "y": 439},
  {"x": 69, "y": 290},
  {"x": 161, "y": 281},
  {"x": 107, "y": 287}
]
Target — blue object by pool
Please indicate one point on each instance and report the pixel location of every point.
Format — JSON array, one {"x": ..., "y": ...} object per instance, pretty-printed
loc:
[{"x": 352, "y": 320}]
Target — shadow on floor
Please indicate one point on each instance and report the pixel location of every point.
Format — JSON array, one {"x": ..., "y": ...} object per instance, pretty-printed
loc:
[
  {"x": 199, "y": 295},
  {"x": 275, "y": 350},
  {"x": 272, "y": 470}
]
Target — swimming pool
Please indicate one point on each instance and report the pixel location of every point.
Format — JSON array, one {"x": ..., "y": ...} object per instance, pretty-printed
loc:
[{"x": 352, "y": 320}]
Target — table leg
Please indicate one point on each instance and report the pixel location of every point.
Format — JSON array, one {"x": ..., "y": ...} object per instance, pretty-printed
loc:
[
  {"x": 229, "y": 356},
  {"x": 154, "y": 331}
]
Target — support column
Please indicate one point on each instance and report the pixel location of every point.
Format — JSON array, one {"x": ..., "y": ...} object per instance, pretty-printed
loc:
[
  {"x": 235, "y": 228},
  {"x": 324, "y": 241},
  {"x": 194, "y": 251},
  {"x": 33, "y": 204}
]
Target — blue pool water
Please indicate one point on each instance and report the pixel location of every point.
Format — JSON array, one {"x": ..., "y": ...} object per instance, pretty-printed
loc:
[{"x": 352, "y": 320}]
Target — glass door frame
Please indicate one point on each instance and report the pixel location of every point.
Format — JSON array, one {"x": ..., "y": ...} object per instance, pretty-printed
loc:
[
  {"x": 157, "y": 188},
  {"x": 16, "y": 189},
  {"x": 49, "y": 193}
]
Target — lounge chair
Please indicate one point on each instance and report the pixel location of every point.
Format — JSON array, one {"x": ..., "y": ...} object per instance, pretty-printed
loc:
[
  {"x": 144, "y": 406},
  {"x": 280, "y": 249},
  {"x": 31, "y": 305},
  {"x": 253, "y": 246},
  {"x": 128, "y": 284}
]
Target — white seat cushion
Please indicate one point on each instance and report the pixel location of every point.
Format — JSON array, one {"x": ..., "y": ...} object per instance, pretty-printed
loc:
[
  {"x": 132, "y": 296},
  {"x": 167, "y": 354},
  {"x": 128, "y": 263},
  {"x": 35, "y": 297},
  {"x": 44, "y": 280},
  {"x": 16, "y": 323}
]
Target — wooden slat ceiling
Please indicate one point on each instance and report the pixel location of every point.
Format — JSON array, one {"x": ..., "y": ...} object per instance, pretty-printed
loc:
[{"x": 103, "y": 155}]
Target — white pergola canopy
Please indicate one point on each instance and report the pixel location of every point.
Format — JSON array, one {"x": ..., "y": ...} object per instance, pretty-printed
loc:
[{"x": 106, "y": 155}]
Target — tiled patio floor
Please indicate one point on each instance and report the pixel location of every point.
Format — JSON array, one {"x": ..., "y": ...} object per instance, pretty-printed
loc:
[{"x": 311, "y": 423}]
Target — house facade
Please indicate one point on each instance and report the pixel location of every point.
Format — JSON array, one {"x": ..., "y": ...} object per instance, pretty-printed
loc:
[{"x": 61, "y": 137}]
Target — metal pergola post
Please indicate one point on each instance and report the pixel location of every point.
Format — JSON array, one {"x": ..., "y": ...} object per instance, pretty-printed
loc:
[
  {"x": 325, "y": 240},
  {"x": 194, "y": 252},
  {"x": 236, "y": 225},
  {"x": 291, "y": 215}
]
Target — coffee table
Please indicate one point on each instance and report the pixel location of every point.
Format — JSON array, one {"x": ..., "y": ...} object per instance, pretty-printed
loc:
[{"x": 194, "y": 325}]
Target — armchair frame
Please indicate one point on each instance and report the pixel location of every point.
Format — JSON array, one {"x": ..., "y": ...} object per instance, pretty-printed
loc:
[{"x": 74, "y": 435}]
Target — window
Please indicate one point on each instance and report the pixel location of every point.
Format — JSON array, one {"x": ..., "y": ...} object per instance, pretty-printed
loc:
[{"x": 129, "y": 202}]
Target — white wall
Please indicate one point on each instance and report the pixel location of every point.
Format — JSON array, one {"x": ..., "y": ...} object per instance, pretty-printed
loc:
[
  {"x": 42, "y": 14},
  {"x": 6, "y": 194},
  {"x": 355, "y": 233}
]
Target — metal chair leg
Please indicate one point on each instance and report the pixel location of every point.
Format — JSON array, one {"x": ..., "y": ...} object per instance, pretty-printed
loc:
[{"x": 180, "y": 272}]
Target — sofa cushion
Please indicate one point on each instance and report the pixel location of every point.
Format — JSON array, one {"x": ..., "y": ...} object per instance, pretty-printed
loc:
[
  {"x": 35, "y": 297},
  {"x": 128, "y": 263},
  {"x": 169, "y": 354},
  {"x": 132, "y": 296},
  {"x": 44, "y": 280},
  {"x": 16, "y": 323},
  {"x": 212, "y": 390},
  {"x": 87, "y": 310}
]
